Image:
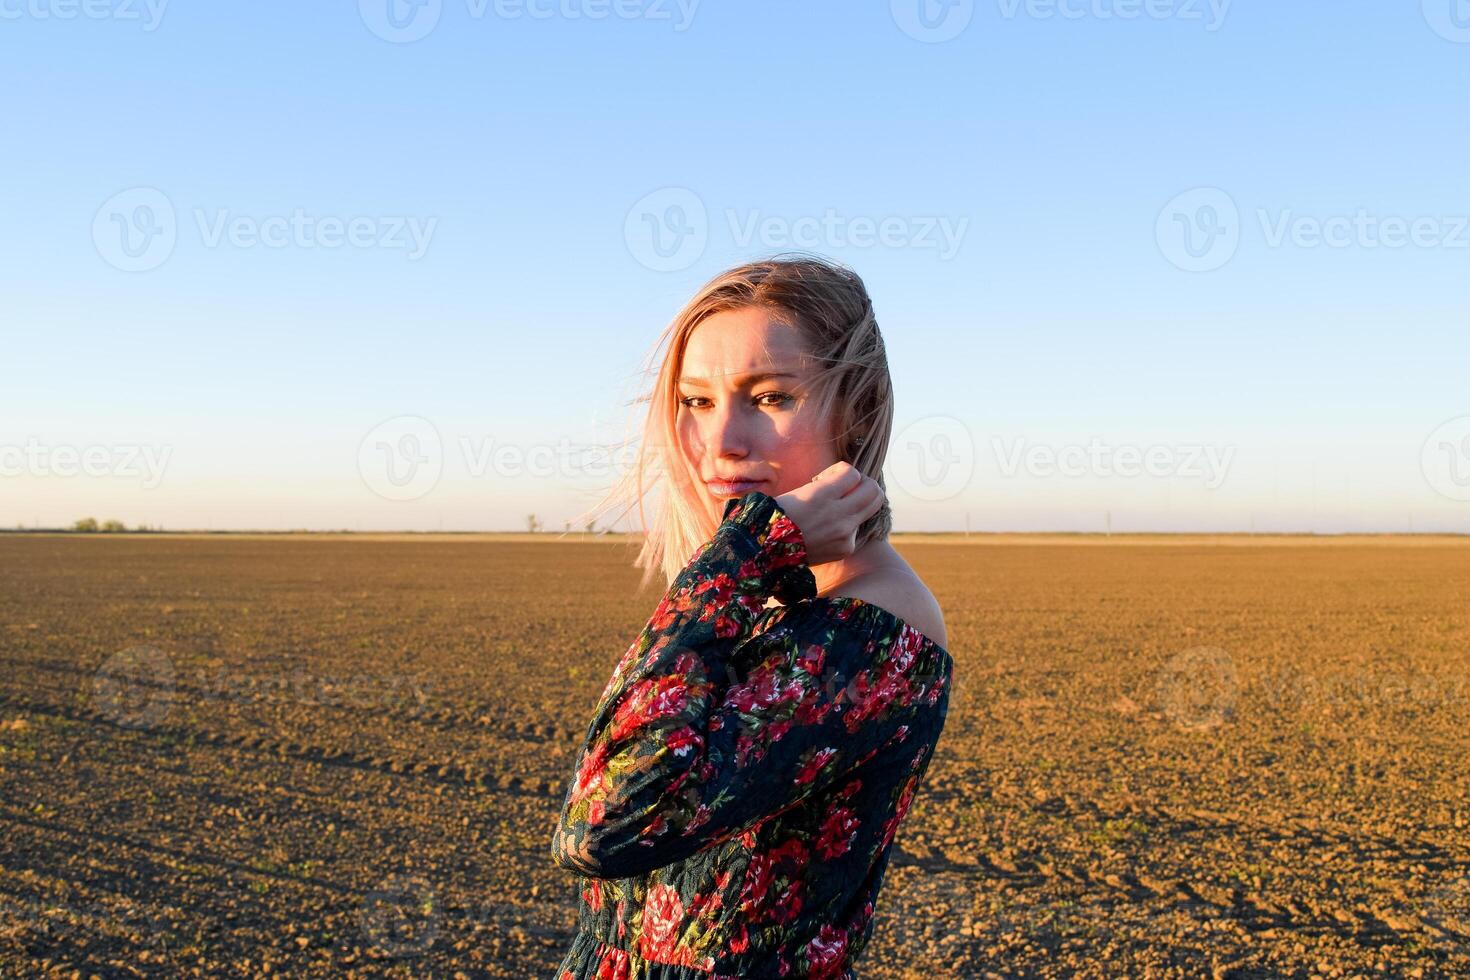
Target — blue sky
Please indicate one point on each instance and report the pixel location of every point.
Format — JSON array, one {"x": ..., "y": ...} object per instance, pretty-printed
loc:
[{"x": 1105, "y": 230}]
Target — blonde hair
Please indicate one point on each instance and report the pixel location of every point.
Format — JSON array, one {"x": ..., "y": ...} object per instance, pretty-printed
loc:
[{"x": 829, "y": 305}]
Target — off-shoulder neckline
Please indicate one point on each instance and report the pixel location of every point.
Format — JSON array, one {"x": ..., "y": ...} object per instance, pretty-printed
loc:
[{"x": 876, "y": 610}]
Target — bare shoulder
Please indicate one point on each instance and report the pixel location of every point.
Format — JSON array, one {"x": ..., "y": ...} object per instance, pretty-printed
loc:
[{"x": 904, "y": 594}]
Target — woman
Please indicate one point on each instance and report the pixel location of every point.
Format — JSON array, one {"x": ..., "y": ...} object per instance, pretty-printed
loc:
[{"x": 750, "y": 759}]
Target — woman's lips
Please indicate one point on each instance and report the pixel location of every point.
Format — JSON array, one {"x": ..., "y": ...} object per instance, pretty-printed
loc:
[{"x": 724, "y": 488}]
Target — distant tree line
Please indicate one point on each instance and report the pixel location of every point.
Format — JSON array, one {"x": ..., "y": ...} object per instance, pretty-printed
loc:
[{"x": 90, "y": 525}]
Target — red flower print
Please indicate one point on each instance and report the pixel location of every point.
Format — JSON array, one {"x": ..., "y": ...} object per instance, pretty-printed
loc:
[
  {"x": 589, "y": 773},
  {"x": 663, "y": 914},
  {"x": 824, "y": 954},
  {"x": 613, "y": 965},
  {"x": 871, "y": 696},
  {"x": 838, "y": 832},
  {"x": 793, "y": 851},
  {"x": 762, "y": 690},
  {"x": 905, "y": 648},
  {"x": 655, "y": 827},
  {"x": 683, "y": 740},
  {"x": 788, "y": 906},
  {"x": 649, "y": 700},
  {"x": 812, "y": 659},
  {"x": 812, "y": 711},
  {"x": 776, "y": 729},
  {"x": 758, "y": 877},
  {"x": 726, "y": 627},
  {"x": 686, "y": 663},
  {"x": 717, "y": 591},
  {"x": 814, "y": 765},
  {"x": 890, "y": 826},
  {"x": 700, "y": 818},
  {"x": 784, "y": 543},
  {"x": 663, "y": 617},
  {"x": 754, "y": 603}
]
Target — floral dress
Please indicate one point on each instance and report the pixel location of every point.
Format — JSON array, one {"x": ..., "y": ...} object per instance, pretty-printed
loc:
[{"x": 735, "y": 802}]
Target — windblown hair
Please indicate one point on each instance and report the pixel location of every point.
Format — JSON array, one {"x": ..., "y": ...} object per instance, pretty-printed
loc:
[{"x": 828, "y": 303}]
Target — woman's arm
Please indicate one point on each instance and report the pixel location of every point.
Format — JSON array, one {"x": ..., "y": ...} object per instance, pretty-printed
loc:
[{"x": 705, "y": 729}]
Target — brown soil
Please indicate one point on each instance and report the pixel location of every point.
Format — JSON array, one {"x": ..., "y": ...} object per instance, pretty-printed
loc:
[{"x": 238, "y": 756}]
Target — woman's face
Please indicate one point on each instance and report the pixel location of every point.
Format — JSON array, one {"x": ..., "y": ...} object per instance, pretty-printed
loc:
[{"x": 734, "y": 424}]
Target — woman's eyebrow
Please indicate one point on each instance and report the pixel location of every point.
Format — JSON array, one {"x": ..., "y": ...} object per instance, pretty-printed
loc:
[{"x": 748, "y": 379}]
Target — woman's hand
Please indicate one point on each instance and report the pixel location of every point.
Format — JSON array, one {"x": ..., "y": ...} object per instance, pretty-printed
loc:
[{"x": 829, "y": 510}]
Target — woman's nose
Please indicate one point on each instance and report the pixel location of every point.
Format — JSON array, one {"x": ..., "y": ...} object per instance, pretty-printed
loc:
[{"x": 731, "y": 435}]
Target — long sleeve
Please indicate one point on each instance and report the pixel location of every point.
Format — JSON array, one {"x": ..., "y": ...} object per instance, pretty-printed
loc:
[{"x": 708, "y": 726}]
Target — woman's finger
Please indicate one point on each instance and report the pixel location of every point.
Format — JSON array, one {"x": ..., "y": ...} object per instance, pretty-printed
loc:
[
  {"x": 841, "y": 478},
  {"x": 866, "y": 501}
]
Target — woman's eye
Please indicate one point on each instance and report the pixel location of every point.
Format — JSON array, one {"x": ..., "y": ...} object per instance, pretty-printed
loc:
[{"x": 780, "y": 397}]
